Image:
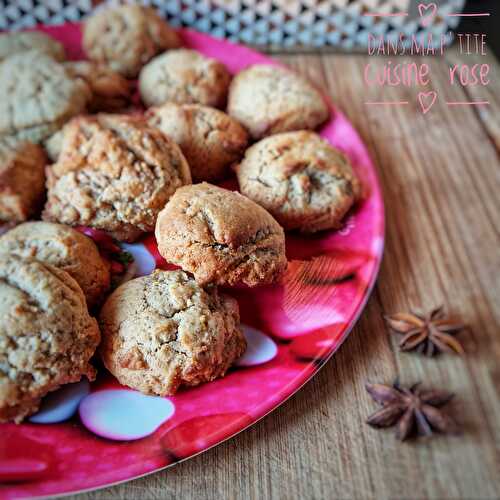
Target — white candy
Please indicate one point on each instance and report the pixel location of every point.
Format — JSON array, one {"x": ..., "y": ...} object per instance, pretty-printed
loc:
[
  {"x": 260, "y": 348},
  {"x": 62, "y": 404},
  {"x": 143, "y": 260},
  {"x": 123, "y": 415}
]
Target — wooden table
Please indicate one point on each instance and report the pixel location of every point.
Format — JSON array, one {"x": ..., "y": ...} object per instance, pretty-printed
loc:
[{"x": 441, "y": 180}]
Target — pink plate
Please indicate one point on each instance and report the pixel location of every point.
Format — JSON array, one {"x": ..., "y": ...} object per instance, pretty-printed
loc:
[{"x": 93, "y": 436}]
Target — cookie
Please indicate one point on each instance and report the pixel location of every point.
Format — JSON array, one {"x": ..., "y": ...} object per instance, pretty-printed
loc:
[
  {"x": 64, "y": 248},
  {"x": 185, "y": 77},
  {"x": 270, "y": 99},
  {"x": 113, "y": 173},
  {"x": 38, "y": 96},
  {"x": 210, "y": 140},
  {"x": 53, "y": 145},
  {"x": 14, "y": 43},
  {"x": 164, "y": 331},
  {"x": 46, "y": 334},
  {"x": 303, "y": 181},
  {"x": 127, "y": 37},
  {"x": 22, "y": 179},
  {"x": 110, "y": 90},
  {"x": 221, "y": 237}
]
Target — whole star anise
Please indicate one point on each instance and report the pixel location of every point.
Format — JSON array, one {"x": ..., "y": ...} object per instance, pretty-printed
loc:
[
  {"x": 412, "y": 410},
  {"x": 426, "y": 333}
]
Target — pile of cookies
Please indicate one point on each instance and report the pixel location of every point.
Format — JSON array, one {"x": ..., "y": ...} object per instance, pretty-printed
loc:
[{"x": 73, "y": 152}]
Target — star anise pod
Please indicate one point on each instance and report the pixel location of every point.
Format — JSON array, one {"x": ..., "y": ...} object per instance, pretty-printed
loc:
[
  {"x": 426, "y": 333},
  {"x": 412, "y": 410}
]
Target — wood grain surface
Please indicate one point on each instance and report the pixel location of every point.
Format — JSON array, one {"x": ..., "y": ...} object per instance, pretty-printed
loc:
[{"x": 441, "y": 180}]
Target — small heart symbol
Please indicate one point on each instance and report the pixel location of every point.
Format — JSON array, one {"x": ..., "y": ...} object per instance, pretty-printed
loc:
[
  {"x": 427, "y": 100},
  {"x": 422, "y": 10}
]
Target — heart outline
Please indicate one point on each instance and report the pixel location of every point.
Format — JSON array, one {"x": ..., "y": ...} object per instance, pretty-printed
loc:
[
  {"x": 425, "y": 105},
  {"x": 422, "y": 10}
]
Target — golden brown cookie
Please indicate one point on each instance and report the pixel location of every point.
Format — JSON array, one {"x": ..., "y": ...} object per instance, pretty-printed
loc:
[
  {"x": 14, "y": 43},
  {"x": 110, "y": 90},
  {"x": 221, "y": 237},
  {"x": 64, "y": 248},
  {"x": 185, "y": 77},
  {"x": 303, "y": 181},
  {"x": 22, "y": 179},
  {"x": 46, "y": 334},
  {"x": 114, "y": 173},
  {"x": 163, "y": 331},
  {"x": 127, "y": 37},
  {"x": 38, "y": 96},
  {"x": 210, "y": 140},
  {"x": 270, "y": 99},
  {"x": 53, "y": 145}
]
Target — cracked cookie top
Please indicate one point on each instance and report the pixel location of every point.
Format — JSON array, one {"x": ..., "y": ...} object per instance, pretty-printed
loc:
[
  {"x": 221, "y": 237},
  {"x": 270, "y": 99},
  {"x": 163, "y": 331},
  {"x": 22, "y": 179},
  {"x": 38, "y": 96},
  {"x": 185, "y": 77},
  {"x": 14, "y": 43},
  {"x": 46, "y": 334},
  {"x": 127, "y": 37},
  {"x": 302, "y": 180},
  {"x": 210, "y": 140},
  {"x": 64, "y": 248},
  {"x": 113, "y": 173}
]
